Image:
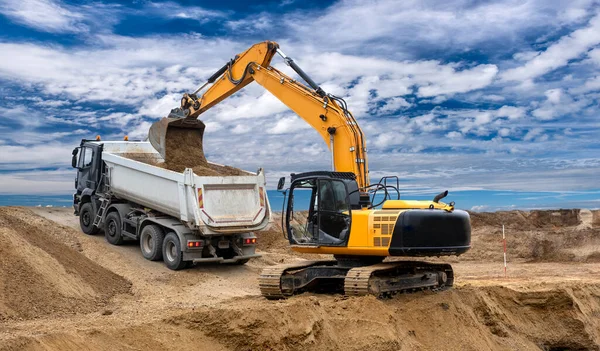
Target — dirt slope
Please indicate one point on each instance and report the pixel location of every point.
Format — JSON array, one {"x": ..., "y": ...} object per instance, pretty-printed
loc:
[
  {"x": 43, "y": 275},
  {"x": 468, "y": 318},
  {"x": 551, "y": 235},
  {"x": 544, "y": 305}
]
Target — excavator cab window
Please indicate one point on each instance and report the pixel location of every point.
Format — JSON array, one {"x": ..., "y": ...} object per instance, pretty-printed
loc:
[{"x": 327, "y": 221}]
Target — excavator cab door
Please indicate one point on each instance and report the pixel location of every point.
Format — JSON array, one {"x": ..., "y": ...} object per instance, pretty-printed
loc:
[{"x": 318, "y": 213}]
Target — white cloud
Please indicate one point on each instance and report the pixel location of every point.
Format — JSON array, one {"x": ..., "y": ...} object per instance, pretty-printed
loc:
[
  {"x": 160, "y": 107},
  {"x": 511, "y": 112},
  {"x": 461, "y": 81},
  {"x": 47, "y": 154},
  {"x": 45, "y": 15},
  {"x": 558, "y": 103},
  {"x": 558, "y": 54},
  {"x": 454, "y": 135},
  {"x": 533, "y": 133},
  {"x": 175, "y": 10},
  {"x": 591, "y": 84},
  {"x": 595, "y": 56},
  {"x": 38, "y": 182},
  {"x": 442, "y": 24},
  {"x": 394, "y": 104},
  {"x": 292, "y": 124},
  {"x": 480, "y": 208},
  {"x": 504, "y": 132}
]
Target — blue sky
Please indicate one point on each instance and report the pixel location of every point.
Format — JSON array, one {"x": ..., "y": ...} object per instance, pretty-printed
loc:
[{"x": 496, "y": 101}]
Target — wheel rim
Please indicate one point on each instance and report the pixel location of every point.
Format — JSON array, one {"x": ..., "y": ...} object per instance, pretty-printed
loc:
[
  {"x": 112, "y": 229},
  {"x": 147, "y": 243},
  {"x": 85, "y": 217},
  {"x": 171, "y": 251}
]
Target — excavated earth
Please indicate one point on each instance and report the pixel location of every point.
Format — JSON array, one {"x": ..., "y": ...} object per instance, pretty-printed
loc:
[
  {"x": 64, "y": 290},
  {"x": 184, "y": 149}
]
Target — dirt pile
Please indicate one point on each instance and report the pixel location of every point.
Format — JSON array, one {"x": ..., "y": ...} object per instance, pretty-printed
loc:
[
  {"x": 523, "y": 220},
  {"x": 467, "y": 318},
  {"x": 460, "y": 319},
  {"x": 552, "y": 235},
  {"x": 184, "y": 149},
  {"x": 42, "y": 273},
  {"x": 540, "y": 306}
]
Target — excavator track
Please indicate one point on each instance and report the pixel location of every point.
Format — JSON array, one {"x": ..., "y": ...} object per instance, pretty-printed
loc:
[
  {"x": 387, "y": 279},
  {"x": 270, "y": 278},
  {"x": 381, "y": 280}
]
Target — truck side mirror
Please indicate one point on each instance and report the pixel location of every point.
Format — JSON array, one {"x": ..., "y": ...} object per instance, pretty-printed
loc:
[
  {"x": 74, "y": 157},
  {"x": 281, "y": 183}
]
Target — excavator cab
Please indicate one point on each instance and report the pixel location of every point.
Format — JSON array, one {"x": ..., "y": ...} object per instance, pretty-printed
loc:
[{"x": 319, "y": 208}]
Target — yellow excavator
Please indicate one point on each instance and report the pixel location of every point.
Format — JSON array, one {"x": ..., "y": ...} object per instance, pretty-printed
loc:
[{"x": 335, "y": 212}]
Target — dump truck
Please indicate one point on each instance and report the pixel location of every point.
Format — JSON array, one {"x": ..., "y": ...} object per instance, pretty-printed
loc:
[{"x": 181, "y": 218}]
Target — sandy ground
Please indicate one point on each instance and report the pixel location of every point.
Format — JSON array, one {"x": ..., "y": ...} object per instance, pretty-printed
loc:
[{"x": 90, "y": 295}]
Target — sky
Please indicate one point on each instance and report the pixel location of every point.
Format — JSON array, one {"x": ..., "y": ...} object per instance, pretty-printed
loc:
[{"x": 496, "y": 101}]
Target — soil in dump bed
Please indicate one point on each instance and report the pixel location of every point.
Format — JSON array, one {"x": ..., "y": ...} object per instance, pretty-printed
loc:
[{"x": 184, "y": 149}]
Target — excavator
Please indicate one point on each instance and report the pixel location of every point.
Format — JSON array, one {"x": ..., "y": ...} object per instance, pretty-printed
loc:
[{"x": 357, "y": 222}]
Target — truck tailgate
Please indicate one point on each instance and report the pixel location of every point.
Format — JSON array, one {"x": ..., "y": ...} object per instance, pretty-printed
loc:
[{"x": 232, "y": 202}]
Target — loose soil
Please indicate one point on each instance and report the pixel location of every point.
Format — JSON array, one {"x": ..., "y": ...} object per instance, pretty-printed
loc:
[
  {"x": 43, "y": 274},
  {"x": 184, "y": 149},
  {"x": 548, "y": 303}
]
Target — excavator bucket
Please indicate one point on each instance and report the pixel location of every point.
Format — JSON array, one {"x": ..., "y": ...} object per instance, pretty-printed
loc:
[{"x": 159, "y": 131}]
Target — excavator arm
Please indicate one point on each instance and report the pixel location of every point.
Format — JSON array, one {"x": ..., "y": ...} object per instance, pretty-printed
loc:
[{"x": 326, "y": 113}]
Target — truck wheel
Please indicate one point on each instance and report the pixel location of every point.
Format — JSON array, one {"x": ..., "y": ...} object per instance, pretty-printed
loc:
[
  {"x": 151, "y": 242},
  {"x": 86, "y": 219},
  {"x": 112, "y": 228},
  {"x": 172, "y": 254}
]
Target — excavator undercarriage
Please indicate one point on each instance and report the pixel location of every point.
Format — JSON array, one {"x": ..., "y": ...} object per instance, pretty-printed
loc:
[{"x": 333, "y": 276}]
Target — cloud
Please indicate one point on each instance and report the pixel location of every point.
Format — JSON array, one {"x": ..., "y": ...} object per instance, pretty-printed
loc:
[
  {"x": 426, "y": 81},
  {"x": 460, "y": 82},
  {"x": 39, "y": 182},
  {"x": 558, "y": 103},
  {"x": 43, "y": 155},
  {"x": 44, "y": 15},
  {"x": 174, "y": 10},
  {"x": 558, "y": 54}
]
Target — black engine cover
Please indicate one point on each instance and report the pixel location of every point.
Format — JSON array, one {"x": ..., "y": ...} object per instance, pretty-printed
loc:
[{"x": 431, "y": 233}]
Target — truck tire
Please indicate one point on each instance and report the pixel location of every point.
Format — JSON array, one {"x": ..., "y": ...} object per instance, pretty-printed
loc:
[
  {"x": 112, "y": 228},
  {"x": 172, "y": 255},
  {"x": 86, "y": 219},
  {"x": 151, "y": 242}
]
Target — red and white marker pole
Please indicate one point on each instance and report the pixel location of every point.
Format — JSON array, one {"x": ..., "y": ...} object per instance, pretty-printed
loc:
[{"x": 504, "y": 240}]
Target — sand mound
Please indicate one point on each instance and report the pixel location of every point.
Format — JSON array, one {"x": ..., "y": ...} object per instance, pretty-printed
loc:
[
  {"x": 526, "y": 219},
  {"x": 459, "y": 319},
  {"x": 44, "y": 274},
  {"x": 561, "y": 235}
]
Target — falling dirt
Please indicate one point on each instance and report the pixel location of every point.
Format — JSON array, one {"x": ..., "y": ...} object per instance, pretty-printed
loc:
[
  {"x": 541, "y": 305},
  {"x": 185, "y": 149}
]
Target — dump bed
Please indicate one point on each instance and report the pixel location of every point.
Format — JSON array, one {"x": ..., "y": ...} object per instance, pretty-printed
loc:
[{"x": 227, "y": 204}]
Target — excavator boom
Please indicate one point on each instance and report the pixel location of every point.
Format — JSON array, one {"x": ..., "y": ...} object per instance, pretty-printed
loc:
[{"x": 326, "y": 113}]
